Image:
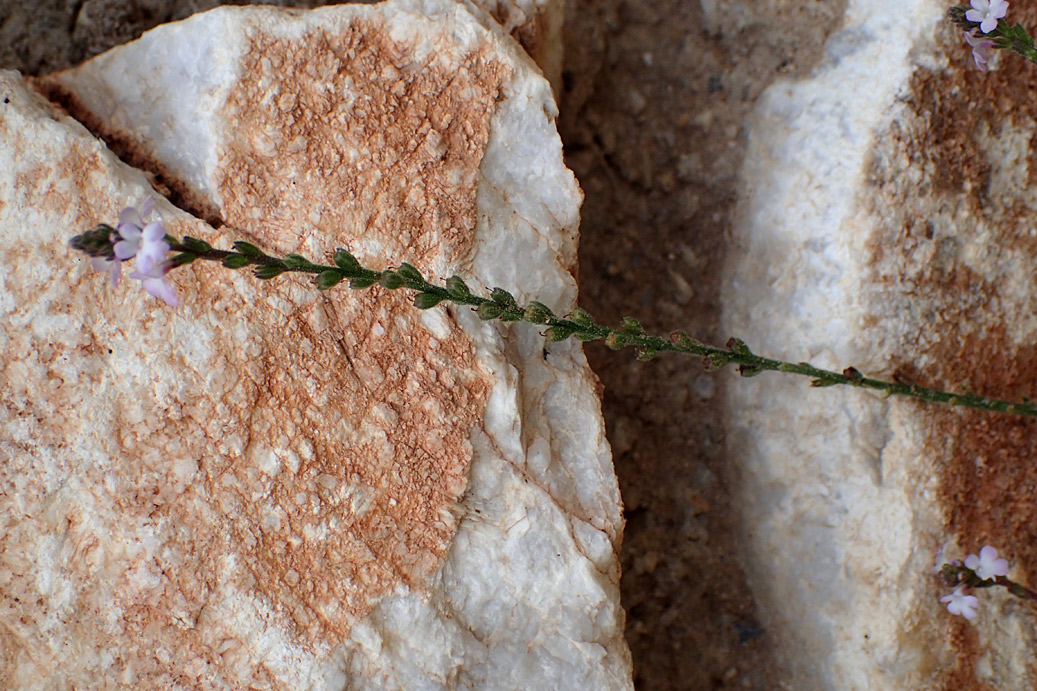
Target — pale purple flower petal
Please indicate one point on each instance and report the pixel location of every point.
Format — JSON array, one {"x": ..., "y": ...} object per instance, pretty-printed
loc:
[
  {"x": 150, "y": 263},
  {"x": 154, "y": 231},
  {"x": 130, "y": 243},
  {"x": 131, "y": 226},
  {"x": 147, "y": 267},
  {"x": 987, "y": 12},
  {"x": 982, "y": 49},
  {"x": 154, "y": 282},
  {"x": 130, "y": 216},
  {"x": 960, "y": 603},
  {"x": 112, "y": 266},
  {"x": 144, "y": 242},
  {"x": 151, "y": 259},
  {"x": 158, "y": 287},
  {"x": 153, "y": 247},
  {"x": 987, "y": 565}
]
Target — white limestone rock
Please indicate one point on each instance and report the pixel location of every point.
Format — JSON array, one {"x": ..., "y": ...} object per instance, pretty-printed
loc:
[
  {"x": 273, "y": 487},
  {"x": 887, "y": 224}
]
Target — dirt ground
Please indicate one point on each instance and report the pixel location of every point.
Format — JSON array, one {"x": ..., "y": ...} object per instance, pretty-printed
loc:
[
  {"x": 654, "y": 123},
  {"x": 654, "y": 107}
]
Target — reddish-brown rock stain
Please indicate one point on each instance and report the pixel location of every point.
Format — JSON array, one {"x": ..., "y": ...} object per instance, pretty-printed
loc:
[
  {"x": 386, "y": 146},
  {"x": 367, "y": 414},
  {"x": 987, "y": 463},
  {"x": 332, "y": 468}
]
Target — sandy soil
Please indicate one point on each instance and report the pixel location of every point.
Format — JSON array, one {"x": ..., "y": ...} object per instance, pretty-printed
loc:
[
  {"x": 654, "y": 113},
  {"x": 654, "y": 119}
]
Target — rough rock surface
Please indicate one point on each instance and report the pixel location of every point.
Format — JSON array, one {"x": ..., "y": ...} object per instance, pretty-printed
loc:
[
  {"x": 890, "y": 228},
  {"x": 49, "y": 34},
  {"x": 273, "y": 487}
]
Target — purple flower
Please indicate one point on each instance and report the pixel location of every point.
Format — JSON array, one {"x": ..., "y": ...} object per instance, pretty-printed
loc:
[
  {"x": 132, "y": 216},
  {"x": 151, "y": 264},
  {"x": 987, "y": 12},
  {"x": 146, "y": 244},
  {"x": 112, "y": 266},
  {"x": 155, "y": 283},
  {"x": 982, "y": 49},
  {"x": 131, "y": 226},
  {"x": 151, "y": 247},
  {"x": 987, "y": 565},
  {"x": 127, "y": 240},
  {"x": 960, "y": 603}
]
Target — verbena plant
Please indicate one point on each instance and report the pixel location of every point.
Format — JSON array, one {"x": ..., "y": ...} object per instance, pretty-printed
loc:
[{"x": 154, "y": 254}]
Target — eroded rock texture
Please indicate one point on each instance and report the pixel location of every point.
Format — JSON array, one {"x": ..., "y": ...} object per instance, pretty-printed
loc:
[
  {"x": 888, "y": 225},
  {"x": 272, "y": 487}
]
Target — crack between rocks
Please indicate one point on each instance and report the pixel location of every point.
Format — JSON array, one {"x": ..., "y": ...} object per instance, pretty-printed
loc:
[{"x": 77, "y": 9}]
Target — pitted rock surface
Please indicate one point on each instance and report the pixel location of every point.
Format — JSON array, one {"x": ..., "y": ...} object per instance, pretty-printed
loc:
[
  {"x": 274, "y": 487},
  {"x": 280, "y": 460},
  {"x": 354, "y": 137}
]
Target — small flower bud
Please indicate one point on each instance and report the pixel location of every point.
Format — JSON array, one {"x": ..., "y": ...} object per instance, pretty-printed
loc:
[
  {"x": 182, "y": 259},
  {"x": 537, "y": 313},
  {"x": 391, "y": 280},
  {"x": 852, "y": 374},
  {"x": 457, "y": 287},
  {"x": 749, "y": 370},
  {"x": 97, "y": 242},
  {"x": 361, "y": 283},
  {"x": 632, "y": 326},
  {"x": 712, "y": 363},
  {"x": 345, "y": 260},
  {"x": 559, "y": 333},
  {"x": 236, "y": 261},
  {"x": 646, "y": 354},
  {"x": 265, "y": 273},
  {"x": 247, "y": 249},
  {"x": 738, "y": 346},
  {"x": 296, "y": 261},
  {"x": 503, "y": 298},
  {"x": 951, "y": 574},
  {"x": 196, "y": 245},
  {"x": 582, "y": 317},
  {"x": 488, "y": 310},
  {"x": 424, "y": 301},
  {"x": 409, "y": 273},
  {"x": 682, "y": 340},
  {"x": 328, "y": 279}
]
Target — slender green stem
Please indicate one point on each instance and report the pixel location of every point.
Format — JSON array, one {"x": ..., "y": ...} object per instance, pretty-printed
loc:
[
  {"x": 957, "y": 574},
  {"x": 501, "y": 305}
]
